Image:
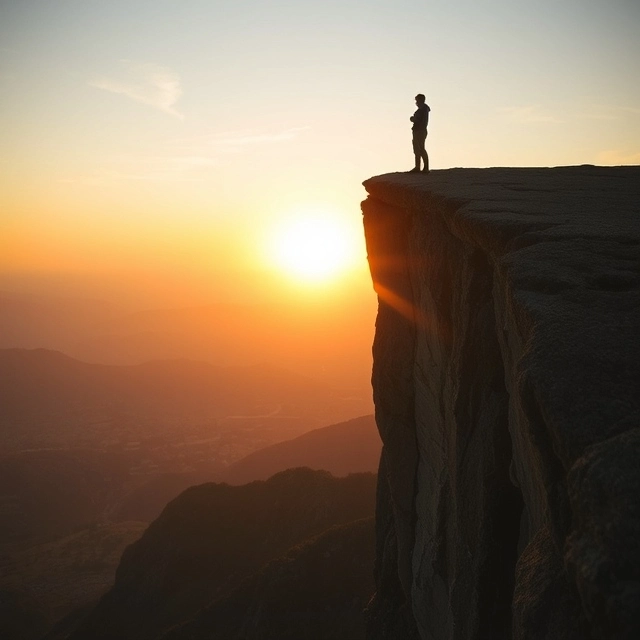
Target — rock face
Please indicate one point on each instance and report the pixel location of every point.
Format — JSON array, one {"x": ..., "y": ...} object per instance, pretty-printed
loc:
[{"x": 506, "y": 383}]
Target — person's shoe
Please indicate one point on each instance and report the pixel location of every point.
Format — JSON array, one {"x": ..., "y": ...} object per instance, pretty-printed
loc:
[
  {"x": 425, "y": 171},
  {"x": 414, "y": 170}
]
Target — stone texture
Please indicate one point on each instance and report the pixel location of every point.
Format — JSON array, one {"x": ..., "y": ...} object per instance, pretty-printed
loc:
[{"x": 506, "y": 378}]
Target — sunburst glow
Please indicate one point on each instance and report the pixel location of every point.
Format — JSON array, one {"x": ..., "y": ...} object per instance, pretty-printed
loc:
[{"x": 313, "y": 246}]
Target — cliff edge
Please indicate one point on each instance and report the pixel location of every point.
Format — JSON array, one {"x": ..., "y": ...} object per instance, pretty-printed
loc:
[{"x": 506, "y": 383}]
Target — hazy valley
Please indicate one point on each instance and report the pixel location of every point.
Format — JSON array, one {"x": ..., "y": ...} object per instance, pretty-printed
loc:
[{"x": 92, "y": 451}]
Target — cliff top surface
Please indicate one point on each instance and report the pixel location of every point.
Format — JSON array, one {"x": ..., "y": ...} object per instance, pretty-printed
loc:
[
  {"x": 566, "y": 244},
  {"x": 502, "y": 203}
]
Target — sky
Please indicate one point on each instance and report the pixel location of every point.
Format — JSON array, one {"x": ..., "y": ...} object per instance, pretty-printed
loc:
[{"x": 157, "y": 146}]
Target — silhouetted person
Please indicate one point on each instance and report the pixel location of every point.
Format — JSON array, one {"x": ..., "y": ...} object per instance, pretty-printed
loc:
[{"x": 420, "y": 121}]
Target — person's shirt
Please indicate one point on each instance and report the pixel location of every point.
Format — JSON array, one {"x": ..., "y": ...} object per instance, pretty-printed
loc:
[{"x": 421, "y": 118}]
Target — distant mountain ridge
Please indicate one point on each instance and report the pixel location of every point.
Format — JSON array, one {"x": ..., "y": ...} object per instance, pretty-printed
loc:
[
  {"x": 50, "y": 399},
  {"x": 328, "y": 340},
  {"x": 349, "y": 447}
]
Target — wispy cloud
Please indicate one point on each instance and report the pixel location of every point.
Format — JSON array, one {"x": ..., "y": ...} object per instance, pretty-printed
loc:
[
  {"x": 530, "y": 114},
  {"x": 148, "y": 83},
  {"x": 182, "y": 159}
]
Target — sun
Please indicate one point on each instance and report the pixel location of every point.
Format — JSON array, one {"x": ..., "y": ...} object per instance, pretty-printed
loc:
[{"x": 313, "y": 245}]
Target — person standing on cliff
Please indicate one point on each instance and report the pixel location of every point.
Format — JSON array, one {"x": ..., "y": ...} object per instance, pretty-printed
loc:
[{"x": 420, "y": 121}]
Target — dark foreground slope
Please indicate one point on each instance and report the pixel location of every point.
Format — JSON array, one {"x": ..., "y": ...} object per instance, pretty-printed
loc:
[
  {"x": 317, "y": 590},
  {"x": 213, "y": 536},
  {"x": 348, "y": 447},
  {"x": 66, "y": 516},
  {"x": 506, "y": 378},
  {"x": 43, "y": 583}
]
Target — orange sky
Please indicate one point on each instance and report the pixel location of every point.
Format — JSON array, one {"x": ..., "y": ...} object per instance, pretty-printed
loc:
[{"x": 157, "y": 145}]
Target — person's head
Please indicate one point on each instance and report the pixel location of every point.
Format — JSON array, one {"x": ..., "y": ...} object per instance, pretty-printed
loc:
[{"x": 420, "y": 99}]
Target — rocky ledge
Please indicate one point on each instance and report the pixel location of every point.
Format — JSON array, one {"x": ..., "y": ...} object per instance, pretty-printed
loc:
[{"x": 507, "y": 389}]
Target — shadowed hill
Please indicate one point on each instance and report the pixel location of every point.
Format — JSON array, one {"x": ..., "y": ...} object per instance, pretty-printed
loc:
[
  {"x": 45, "y": 494},
  {"x": 316, "y": 590},
  {"x": 210, "y": 538},
  {"x": 42, "y": 583},
  {"x": 349, "y": 447}
]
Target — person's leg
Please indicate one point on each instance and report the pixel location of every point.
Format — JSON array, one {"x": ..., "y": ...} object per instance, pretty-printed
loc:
[
  {"x": 425, "y": 160},
  {"x": 423, "y": 154},
  {"x": 417, "y": 152}
]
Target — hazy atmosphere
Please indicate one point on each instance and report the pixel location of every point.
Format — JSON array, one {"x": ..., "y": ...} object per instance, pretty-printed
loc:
[{"x": 186, "y": 308}]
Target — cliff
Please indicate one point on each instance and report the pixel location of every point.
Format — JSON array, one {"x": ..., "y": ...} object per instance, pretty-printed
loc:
[{"x": 506, "y": 377}]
